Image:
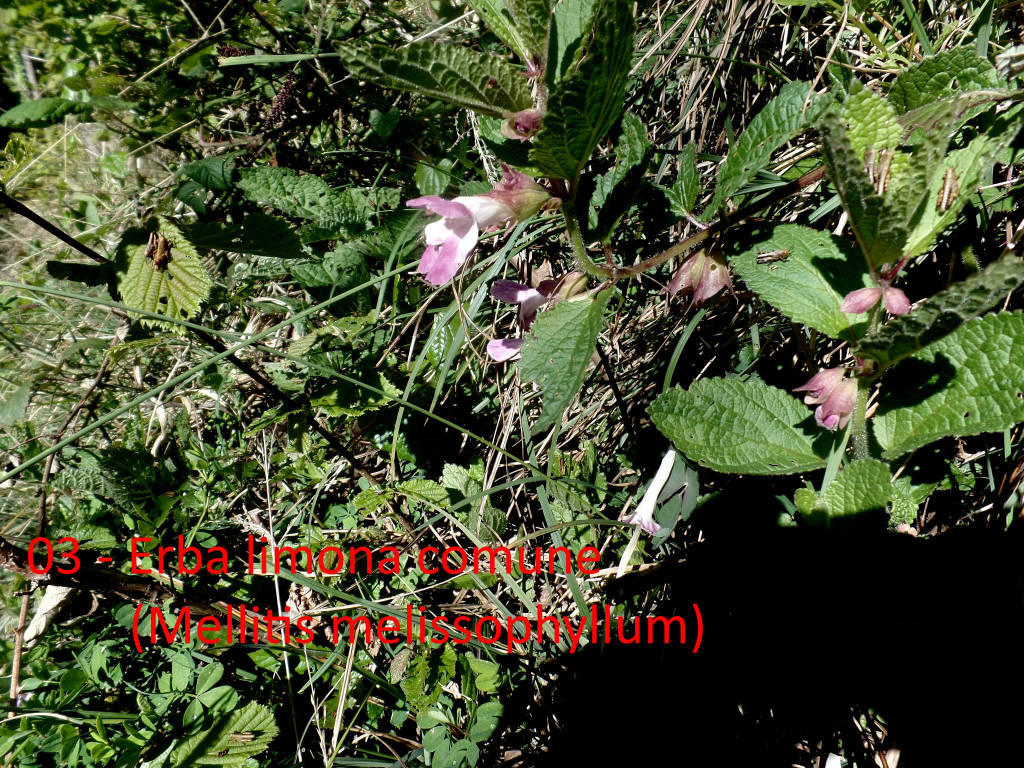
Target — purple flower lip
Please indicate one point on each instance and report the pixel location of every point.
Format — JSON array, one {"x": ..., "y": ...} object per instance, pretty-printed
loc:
[{"x": 530, "y": 300}]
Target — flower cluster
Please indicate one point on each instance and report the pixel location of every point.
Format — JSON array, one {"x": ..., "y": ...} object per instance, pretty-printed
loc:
[
  {"x": 453, "y": 237},
  {"x": 834, "y": 394}
]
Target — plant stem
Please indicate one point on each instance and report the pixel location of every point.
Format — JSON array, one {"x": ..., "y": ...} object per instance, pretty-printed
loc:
[
  {"x": 579, "y": 250},
  {"x": 859, "y": 425}
]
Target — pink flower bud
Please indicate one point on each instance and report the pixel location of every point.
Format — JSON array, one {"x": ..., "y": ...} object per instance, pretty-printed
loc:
[
  {"x": 522, "y": 125},
  {"x": 860, "y": 301},
  {"x": 896, "y": 301},
  {"x": 704, "y": 275}
]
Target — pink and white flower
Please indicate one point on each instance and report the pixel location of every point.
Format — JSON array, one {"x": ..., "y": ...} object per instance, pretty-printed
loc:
[
  {"x": 704, "y": 275},
  {"x": 834, "y": 394},
  {"x": 530, "y": 300},
  {"x": 453, "y": 237},
  {"x": 644, "y": 515}
]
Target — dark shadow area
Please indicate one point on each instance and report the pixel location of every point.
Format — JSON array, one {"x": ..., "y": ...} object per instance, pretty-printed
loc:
[
  {"x": 916, "y": 380},
  {"x": 800, "y": 626}
]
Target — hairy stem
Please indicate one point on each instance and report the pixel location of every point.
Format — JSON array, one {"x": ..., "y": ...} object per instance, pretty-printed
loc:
[
  {"x": 859, "y": 424},
  {"x": 579, "y": 250}
]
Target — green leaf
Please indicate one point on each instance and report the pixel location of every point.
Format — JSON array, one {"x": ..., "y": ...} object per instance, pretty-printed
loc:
[
  {"x": 585, "y": 104},
  {"x": 871, "y": 121},
  {"x": 40, "y": 113},
  {"x": 177, "y": 288},
  {"x": 683, "y": 194},
  {"x": 498, "y": 18},
  {"x": 782, "y": 119},
  {"x": 488, "y": 715},
  {"x": 433, "y": 178},
  {"x": 424, "y": 678},
  {"x": 346, "y": 399},
  {"x": 570, "y": 20},
  {"x": 944, "y": 312},
  {"x": 906, "y": 498},
  {"x": 970, "y": 382},
  {"x": 212, "y": 172},
  {"x": 13, "y": 403},
  {"x": 258, "y": 234},
  {"x": 881, "y": 232},
  {"x": 485, "y": 674},
  {"x": 209, "y": 676},
  {"x": 935, "y": 77},
  {"x": 533, "y": 19},
  {"x": 737, "y": 425},
  {"x": 421, "y": 489},
  {"x": 232, "y": 740},
  {"x": 963, "y": 170},
  {"x": 463, "y": 754},
  {"x": 305, "y": 197},
  {"x": 862, "y": 486},
  {"x": 792, "y": 275},
  {"x": 480, "y": 82},
  {"x": 618, "y": 187},
  {"x": 182, "y": 669},
  {"x": 558, "y": 350}
]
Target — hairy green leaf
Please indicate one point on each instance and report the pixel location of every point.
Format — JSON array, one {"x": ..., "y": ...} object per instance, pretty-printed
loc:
[
  {"x": 862, "y": 486},
  {"x": 871, "y": 121},
  {"x": 40, "y": 112},
  {"x": 570, "y": 20},
  {"x": 880, "y": 232},
  {"x": 682, "y": 196},
  {"x": 212, "y": 172},
  {"x": 970, "y": 382},
  {"x": 788, "y": 268},
  {"x": 176, "y": 288},
  {"x": 618, "y": 187},
  {"x": 944, "y": 312},
  {"x": 498, "y": 18},
  {"x": 558, "y": 350},
  {"x": 232, "y": 740},
  {"x": 737, "y": 425},
  {"x": 305, "y": 197},
  {"x": 937, "y": 76},
  {"x": 782, "y": 118},
  {"x": 585, "y": 104},
  {"x": 533, "y": 19},
  {"x": 477, "y": 81},
  {"x": 956, "y": 179}
]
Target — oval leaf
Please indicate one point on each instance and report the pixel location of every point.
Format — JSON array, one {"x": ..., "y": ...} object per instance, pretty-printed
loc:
[{"x": 733, "y": 425}]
